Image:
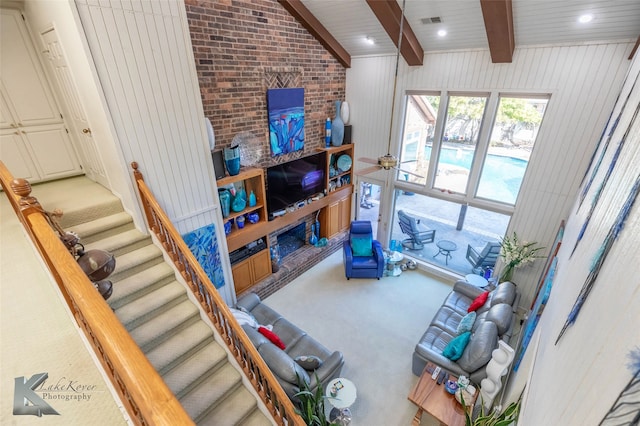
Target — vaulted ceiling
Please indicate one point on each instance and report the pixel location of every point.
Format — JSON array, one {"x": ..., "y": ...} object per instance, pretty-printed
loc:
[{"x": 343, "y": 26}]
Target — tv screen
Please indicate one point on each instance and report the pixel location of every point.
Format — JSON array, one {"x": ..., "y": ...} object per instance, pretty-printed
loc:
[{"x": 294, "y": 181}]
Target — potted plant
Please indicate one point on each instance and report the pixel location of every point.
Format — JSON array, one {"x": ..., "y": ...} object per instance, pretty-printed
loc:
[
  {"x": 494, "y": 417},
  {"x": 516, "y": 253},
  {"x": 311, "y": 404}
]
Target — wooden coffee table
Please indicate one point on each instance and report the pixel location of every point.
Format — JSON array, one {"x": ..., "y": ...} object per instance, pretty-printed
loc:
[{"x": 435, "y": 400}]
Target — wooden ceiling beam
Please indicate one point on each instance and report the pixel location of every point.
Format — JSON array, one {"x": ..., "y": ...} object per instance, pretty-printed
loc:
[
  {"x": 389, "y": 14},
  {"x": 316, "y": 29},
  {"x": 498, "y": 22},
  {"x": 635, "y": 48}
]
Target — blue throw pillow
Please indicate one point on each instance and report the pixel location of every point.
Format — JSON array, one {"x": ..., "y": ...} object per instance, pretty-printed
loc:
[
  {"x": 466, "y": 323},
  {"x": 361, "y": 245},
  {"x": 455, "y": 348}
]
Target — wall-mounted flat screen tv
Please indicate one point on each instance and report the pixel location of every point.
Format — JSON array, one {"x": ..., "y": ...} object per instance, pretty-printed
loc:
[{"x": 294, "y": 181}]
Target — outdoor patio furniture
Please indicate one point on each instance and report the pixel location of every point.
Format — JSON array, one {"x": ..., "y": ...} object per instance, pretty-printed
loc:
[
  {"x": 445, "y": 247},
  {"x": 418, "y": 233},
  {"x": 485, "y": 257}
]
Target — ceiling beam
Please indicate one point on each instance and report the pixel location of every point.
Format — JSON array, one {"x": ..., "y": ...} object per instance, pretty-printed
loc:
[
  {"x": 316, "y": 29},
  {"x": 389, "y": 14},
  {"x": 635, "y": 48},
  {"x": 498, "y": 22}
]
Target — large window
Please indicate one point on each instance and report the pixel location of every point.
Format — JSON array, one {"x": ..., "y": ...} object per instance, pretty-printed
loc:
[{"x": 471, "y": 151}]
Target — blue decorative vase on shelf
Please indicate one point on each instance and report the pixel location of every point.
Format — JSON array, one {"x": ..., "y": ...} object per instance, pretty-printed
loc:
[
  {"x": 337, "y": 127},
  {"x": 232, "y": 160},
  {"x": 252, "y": 199},
  {"x": 225, "y": 201}
]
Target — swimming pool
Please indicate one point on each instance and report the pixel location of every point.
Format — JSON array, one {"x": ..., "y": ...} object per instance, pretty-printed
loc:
[{"x": 501, "y": 175}]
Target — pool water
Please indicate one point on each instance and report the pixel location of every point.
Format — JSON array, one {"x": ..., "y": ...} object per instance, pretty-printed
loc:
[{"x": 501, "y": 175}]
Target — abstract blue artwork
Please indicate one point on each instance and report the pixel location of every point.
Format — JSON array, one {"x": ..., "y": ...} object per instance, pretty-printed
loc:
[
  {"x": 286, "y": 120},
  {"x": 204, "y": 245}
]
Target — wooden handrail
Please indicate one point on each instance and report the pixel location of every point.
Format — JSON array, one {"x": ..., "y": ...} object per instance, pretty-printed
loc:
[
  {"x": 145, "y": 395},
  {"x": 256, "y": 370}
]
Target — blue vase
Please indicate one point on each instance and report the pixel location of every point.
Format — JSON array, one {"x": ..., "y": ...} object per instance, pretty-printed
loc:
[
  {"x": 252, "y": 199},
  {"x": 232, "y": 160},
  {"x": 337, "y": 127},
  {"x": 225, "y": 201}
]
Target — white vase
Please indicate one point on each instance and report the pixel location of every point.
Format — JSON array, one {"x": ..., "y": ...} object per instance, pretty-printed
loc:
[{"x": 344, "y": 112}]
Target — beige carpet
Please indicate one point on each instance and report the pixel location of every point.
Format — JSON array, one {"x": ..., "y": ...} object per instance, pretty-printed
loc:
[
  {"x": 38, "y": 335},
  {"x": 376, "y": 325}
]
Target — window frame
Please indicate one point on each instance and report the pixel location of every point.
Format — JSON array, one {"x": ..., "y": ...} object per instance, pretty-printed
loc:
[{"x": 487, "y": 124}]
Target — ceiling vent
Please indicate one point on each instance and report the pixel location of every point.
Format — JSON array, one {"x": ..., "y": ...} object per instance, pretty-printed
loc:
[{"x": 432, "y": 20}]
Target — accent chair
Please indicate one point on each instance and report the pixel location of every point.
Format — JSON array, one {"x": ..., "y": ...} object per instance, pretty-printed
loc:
[{"x": 362, "y": 255}]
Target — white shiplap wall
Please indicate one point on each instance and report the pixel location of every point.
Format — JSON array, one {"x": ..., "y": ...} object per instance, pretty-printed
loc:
[
  {"x": 577, "y": 380},
  {"x": 583, "y": 81},
  {"x": 144, "y": 60}
]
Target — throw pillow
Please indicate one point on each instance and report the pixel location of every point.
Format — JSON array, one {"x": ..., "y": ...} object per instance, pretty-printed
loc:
[
  {"x": 273, "y": 337},
  {"x": 455, "y": 348},
  {"x": 308, "y": 362},
  {"x": 361, "y": 245},
  {"x": 466, "y": 323},
  {"x": 478, "y": 302}
]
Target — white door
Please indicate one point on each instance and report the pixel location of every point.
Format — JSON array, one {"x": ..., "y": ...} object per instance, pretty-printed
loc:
[
  {"x": 80, "y": 126},
  {"x": 34, "y": 142}
]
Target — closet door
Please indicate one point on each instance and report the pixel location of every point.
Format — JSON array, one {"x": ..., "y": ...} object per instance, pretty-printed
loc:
[{"x": 34, "y": 141}]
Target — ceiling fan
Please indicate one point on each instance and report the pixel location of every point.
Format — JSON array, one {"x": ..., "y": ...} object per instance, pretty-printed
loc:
[{"x": 388, "y": 161}]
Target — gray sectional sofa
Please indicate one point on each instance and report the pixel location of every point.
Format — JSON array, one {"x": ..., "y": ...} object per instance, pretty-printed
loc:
[
  {"x": 495, "y": 321},
  {"x": 298, "y": 345}
]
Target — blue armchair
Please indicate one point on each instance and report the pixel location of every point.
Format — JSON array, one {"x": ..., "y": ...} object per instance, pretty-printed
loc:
[{"x": 363, "y": 257}]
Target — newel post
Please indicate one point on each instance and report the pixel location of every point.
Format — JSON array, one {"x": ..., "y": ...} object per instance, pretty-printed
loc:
[
  {"x": 27, "y": 203},
  {"x": 137, "y": 175}
]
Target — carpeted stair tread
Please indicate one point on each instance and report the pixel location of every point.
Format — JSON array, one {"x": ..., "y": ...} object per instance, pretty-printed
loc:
[
  {"x": 121, "y": 243},
  {"x": 211, "y": 392},
  {"x": 146, "y": 307},
  {"x": 103, "y": 227},
  {"x": 230, "y": 411},
  {"x": 190, "y": 373},
  {"x": 136, "y": 261},
  {"x": 256, "y": 418},
  {"x": 178, "y": 348},
  {"x": 166, "y": 324},
  {"x": 134, "y": 286}
]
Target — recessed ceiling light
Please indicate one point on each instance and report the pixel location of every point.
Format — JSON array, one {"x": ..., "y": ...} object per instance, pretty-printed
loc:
[
  {"x": 584, "y": 19},
  {"x": 369, "y": 40},
  {"x": 442, "y": 33}
]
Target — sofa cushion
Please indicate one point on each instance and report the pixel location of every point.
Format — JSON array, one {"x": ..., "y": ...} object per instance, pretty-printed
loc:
[
  {"x": 478, "y": 301},
  {"x": 501, "y": 315},
  {"x": 308, "y": 362},
  {"x": 482, "y": 343},
  {"x": 288, "y": 332},
  {"x": 361, "y": 245},
  {"x": 466, "y": 323},
  {"x": 456, "y": 347},
  {"x": 447, "y": 319},
  {"x": 504, "y": 293},
  {"x": 282, "y": 365}
]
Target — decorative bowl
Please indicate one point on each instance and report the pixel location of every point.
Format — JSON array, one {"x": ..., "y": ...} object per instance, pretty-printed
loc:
[
  {"x": 451, "y": 386},
  {"x": 253, "y": 217}
]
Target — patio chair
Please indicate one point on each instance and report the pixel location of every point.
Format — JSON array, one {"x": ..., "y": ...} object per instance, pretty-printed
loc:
[
  {"x": 485, "y": 257},
  {"x": 418, "y": 233}
]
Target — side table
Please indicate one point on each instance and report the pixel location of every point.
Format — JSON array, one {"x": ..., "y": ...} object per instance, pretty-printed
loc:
[
  {"x": 435, "y": 400},
  {"x": 445, "y": 247},
  {"x": 393, "y": 261},
  {"x": 341, "y": 393},
  {"x": 476, "y": 280}
]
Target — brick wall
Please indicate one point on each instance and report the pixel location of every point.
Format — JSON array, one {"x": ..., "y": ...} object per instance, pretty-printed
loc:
[{"x": 242, "y": 48}]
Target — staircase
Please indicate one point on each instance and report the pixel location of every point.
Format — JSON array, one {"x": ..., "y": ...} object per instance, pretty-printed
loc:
[{"x": 167, "y": 326}]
